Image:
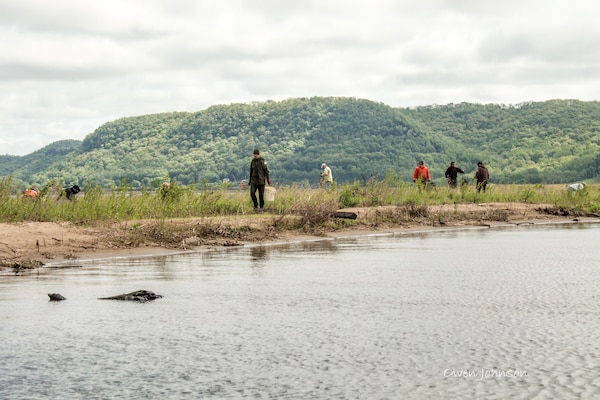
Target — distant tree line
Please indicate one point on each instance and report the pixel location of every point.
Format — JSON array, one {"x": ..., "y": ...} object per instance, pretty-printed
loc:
[{"x": 554, "y": 141}]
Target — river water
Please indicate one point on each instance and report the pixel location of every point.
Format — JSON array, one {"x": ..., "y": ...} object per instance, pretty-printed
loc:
[{"x": 480, "y": 313}]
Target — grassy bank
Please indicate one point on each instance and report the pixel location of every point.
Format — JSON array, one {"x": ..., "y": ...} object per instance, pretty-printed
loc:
[
  {"x": 189, "y": 217},
  {"x": 94, "y": 204}
]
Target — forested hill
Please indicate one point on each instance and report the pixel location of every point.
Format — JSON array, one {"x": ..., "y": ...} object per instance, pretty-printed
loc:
[
  {"x": 23, "y": 167},
  {"x": 555, "y": 141}
]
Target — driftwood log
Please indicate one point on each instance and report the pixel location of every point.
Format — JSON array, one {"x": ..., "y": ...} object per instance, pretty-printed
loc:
[
  {"x": 139, "y": 295},
  {"x": 345, "y": 214},
  {"x": 56, "y": 297},
  {"x": 337, "y": 214}
]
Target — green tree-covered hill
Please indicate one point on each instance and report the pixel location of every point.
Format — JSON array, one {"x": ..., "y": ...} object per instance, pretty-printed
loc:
[
  {"x": 555, "y": 141},
  {"x": 27, "y": 166}
]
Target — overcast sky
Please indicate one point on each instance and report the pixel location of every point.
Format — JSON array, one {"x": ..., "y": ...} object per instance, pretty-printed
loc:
[{"x": 68, "y": 66}]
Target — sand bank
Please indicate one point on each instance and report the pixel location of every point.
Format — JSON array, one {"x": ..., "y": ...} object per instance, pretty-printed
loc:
[{"x": 33, "y": 244}]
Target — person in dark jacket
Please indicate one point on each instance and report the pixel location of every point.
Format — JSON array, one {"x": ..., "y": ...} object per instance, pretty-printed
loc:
[
  {"x": 72, "y": 191},
  {"x": 452, "y": 174},
  {"x": 481, "y": 176},
  {"x": 259, "y": 175}
]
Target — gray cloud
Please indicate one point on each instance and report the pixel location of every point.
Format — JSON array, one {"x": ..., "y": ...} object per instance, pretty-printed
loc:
[{"x": 68, "y": 66}]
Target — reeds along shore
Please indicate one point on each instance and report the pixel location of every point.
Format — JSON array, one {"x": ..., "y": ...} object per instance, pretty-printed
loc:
[{"x": 126, "y": 204}]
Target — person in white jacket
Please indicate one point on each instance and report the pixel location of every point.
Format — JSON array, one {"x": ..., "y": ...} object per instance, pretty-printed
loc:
[{"x": 326, "y": 176}]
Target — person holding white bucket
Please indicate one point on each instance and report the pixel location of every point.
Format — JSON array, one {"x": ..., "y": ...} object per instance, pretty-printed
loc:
[{"x": 259, "y": 175}]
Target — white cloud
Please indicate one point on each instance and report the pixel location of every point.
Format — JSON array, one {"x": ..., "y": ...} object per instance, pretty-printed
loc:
[{"x": 68, "y": 66}]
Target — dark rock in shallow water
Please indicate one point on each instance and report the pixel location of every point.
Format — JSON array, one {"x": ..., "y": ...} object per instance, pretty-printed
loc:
[
  {"x": 56, "y": 297},
  {"x": 139, "y": 295}
]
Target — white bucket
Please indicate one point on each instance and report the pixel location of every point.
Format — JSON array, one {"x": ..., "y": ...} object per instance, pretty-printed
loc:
[{"x": 270, "y": 193}]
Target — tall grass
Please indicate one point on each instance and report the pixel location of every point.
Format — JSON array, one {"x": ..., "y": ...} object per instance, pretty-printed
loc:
[{"x": 125, "y": 204}]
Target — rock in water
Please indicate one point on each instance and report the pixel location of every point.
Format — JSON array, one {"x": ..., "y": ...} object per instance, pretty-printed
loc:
[
  {"x": 56, "y": 297},
  {"x": 139, "y": 295}
]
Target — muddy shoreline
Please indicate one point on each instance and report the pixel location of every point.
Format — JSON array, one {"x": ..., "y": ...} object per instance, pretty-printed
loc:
[{"x": 28, "y": 245}]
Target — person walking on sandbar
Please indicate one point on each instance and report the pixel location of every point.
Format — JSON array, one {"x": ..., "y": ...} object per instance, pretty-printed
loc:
[
  {"x": 421, "y": 174},
  {"x": 259, "y": 175},
  {"x": 452, "y": 174},
  {"x": 326, "y": 177},
  {"x": 481, "y": 177}
]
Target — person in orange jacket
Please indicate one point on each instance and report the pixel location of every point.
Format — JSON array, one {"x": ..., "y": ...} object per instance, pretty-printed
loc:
[
  {"x": 31, "y": 193},
  {"x": 421, "y": 174}
]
